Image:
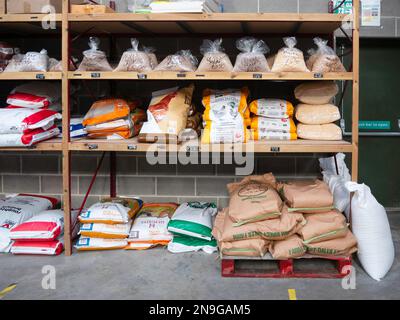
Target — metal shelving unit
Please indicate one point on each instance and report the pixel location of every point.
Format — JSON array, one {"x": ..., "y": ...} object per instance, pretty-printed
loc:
[{"x": 187, "y": 24}]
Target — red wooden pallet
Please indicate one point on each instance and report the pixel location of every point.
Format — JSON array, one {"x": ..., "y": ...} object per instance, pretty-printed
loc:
[{"x": 285, "y": 268}]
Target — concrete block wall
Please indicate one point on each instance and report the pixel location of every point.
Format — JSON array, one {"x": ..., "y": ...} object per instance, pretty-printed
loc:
[{"x": 41, "y": 173}]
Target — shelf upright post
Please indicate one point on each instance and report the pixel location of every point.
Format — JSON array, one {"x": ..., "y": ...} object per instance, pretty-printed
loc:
[
  {"x": 66, "y": 154},
  {"x": 356, "y": 88}
]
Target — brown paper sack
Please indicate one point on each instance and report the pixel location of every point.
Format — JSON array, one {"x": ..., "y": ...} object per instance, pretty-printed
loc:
[
  {"x": 324, "y": 226},
  {"x": 272, "y": 229},
  {"x": 344, "y": 246},
  {"x": 254, "y": 199},
  {"x": 309, "y": 196},
  {"x": 289, "y": 248},
  {"x": 246, "y": 248}
]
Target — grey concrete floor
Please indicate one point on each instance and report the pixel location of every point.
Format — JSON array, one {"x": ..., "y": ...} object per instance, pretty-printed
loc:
[{"x": 157, "y": 274}]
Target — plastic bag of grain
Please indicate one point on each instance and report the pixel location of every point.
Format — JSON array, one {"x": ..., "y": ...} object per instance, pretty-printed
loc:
[
  {"x": 183, "y": 61},
  {"x": 328, "y": 132},
  {"x": 35, "y": 62},
  {"x": 344, "y": 246},
  {"x": 15, "y": 64},
  {"x": 182, "y": 244},
  {"x": 317, "y": 114},
  {"x": 289, "y": 58},
  {"x": 150, "y": 228},
  {"x": 253, "y": 199},
  {"x": 193, "y": 219},
  {"x": 226, "y": 116},
  {"x": 270, "y": 124},
  {"x": 252, "y": 56},
  {"x": 307, "y": 196},
  {"x": 134, "y": 59},
  {"x": 318, "y": 92},
  {"x": 94, "y": 59},
  {"x": 152, "y": 56},
  {"x": 324, "y": 226},
  {"x": 215, "y": 59},
  {"x": 324, "y": 59},
  {"x": 289, "y": 248},
  {"x": 272, "y": 108}
]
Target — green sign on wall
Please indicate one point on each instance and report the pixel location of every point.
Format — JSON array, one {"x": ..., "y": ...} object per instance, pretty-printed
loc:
[
  {"x": 346, "y": 8},
  {"x": 374, "y": 125}
]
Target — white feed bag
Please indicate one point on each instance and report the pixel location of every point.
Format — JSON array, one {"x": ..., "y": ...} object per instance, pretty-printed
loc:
[{"x": 371, "y": 227}]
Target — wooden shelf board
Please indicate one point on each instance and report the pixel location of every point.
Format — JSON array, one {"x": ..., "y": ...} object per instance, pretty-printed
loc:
[
  {"x": 30, "y": 76},
  {"x": 27, "y": 24},
  {"x": 132, "y": 145},
  {"x": 225, "y": 23},
  {"x": 27, "y": 17},
  {"x": 167, "y": 75},
  {"x": 49, "y": 145}
]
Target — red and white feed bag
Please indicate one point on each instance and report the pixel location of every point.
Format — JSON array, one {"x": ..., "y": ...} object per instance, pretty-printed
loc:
[{"x": 18, "y": 209}]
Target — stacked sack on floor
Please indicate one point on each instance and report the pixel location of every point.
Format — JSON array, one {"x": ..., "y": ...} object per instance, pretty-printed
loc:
[
  {"x": 272, "y": 120},
  {"x": 106, "y": 225},
  {"x": 191, "y": 226},
  {"x": 150, "y": 228},
  {"x": 17, "y": 210},
  {"x": 113, "y": 119},
  {"x": 31, "y": 115},
  {"x": 257, "y": 221},
  {"x": 316, "y": 113},
  {"x": 43, "y": 234}
]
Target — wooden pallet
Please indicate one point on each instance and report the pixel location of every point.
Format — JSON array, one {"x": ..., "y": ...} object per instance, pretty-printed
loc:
[{"x": 284, "y": 268}]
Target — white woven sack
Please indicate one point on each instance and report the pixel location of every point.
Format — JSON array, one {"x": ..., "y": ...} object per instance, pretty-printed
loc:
[{"x": 371, "y": 227}]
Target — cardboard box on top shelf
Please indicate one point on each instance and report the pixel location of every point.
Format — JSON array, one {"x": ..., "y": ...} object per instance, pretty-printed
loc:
[
  {"x": 34, "y": 6},
  {"x": 2, "y": 6},
  {"x": 90, "y": 9}
]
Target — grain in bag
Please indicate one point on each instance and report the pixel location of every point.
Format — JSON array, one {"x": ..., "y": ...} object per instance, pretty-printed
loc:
[
  {"x": 323, "y": 226},
  {"x": 182, "y": 244},
  {"x": 252, "y": 56},
  {"x": 307, "y": 196},
  {"x": 194, "y": 219},
  {"x": 111, "y": 211},
  {"x": 225, "y": 116},
  {"x": 272, "y": 229},
  {"x": 215, "y": 59},
  {"x": 327, "y": 132},
  {"x": 317, "y": 114},
  {"x": 254, "y": 199},
  {"x": 289, "y": 248},
  {"x": 94, "y": 244},
  {"x": 245, "y": 248},
  {"x": 105, "y": 231},
  {"x": 344, "y": 246},
  {"x": 272, "y": 108},
  {"x": 289, "y": 58},
  {"x": 274, "y": 125},
  {"x": 316, "y": 92},
  {"x": 150, "y": 228}
]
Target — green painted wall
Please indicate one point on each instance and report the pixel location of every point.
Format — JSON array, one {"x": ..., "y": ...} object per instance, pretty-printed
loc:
[{"x": 379, "y": 100}]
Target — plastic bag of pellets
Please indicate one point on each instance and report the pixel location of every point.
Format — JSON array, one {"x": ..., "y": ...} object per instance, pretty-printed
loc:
[{"x": 194, "y": 219}]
